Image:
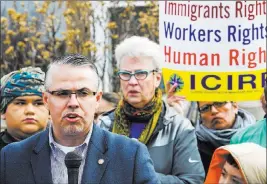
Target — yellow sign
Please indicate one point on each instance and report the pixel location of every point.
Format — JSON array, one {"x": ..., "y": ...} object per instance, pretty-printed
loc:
[
  {"x": 214, "y": 50},
  {"x": 217, "y": 86}
]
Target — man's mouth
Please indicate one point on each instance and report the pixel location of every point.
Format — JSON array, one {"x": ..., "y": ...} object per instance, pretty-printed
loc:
[
  {"x": 215, "y": 121},
  {"x": 72, "y": 117},
  {"x": 29, "y": 120}
]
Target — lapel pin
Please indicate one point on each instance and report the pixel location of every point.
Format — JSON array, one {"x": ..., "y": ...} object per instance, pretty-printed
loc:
[{"x": 100, "y": 161}]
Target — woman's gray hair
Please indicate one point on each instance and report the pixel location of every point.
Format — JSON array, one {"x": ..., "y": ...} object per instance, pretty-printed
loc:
[
  {"x": 75, "y": 60},
  {"x": 137, "y": 46}
]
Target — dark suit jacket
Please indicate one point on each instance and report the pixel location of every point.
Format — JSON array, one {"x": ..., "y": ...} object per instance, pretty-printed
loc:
[{"x": 125, "y": 160}]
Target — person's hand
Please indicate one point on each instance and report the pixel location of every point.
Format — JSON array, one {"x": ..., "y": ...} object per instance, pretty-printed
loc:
[
  {"x": 175, "y": 101},
  {"x": 263, "y": 103}
]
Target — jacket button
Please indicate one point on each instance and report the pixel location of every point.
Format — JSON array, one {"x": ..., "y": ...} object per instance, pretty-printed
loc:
[{"x": 100, "y": 161}]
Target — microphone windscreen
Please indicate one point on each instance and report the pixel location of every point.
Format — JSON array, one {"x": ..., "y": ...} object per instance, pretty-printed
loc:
[{"x": 73, "y": 160}]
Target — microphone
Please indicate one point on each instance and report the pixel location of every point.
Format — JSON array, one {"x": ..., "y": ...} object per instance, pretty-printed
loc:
[{"x": 73, "y": 162}]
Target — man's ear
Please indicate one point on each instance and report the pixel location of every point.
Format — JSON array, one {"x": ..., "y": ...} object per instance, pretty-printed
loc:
[
  {"x": 235, "y": 105},
  {"x": 3, "y": 116},
  {"x": 45, "y": 99},
  {"x": 98, "y": 98}
]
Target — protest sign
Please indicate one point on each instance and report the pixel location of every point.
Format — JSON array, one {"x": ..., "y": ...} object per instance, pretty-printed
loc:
[{"x": 214, "y": 50}]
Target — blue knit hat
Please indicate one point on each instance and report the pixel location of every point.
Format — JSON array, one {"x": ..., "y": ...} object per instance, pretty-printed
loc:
[{"x": 24, "y": 82}]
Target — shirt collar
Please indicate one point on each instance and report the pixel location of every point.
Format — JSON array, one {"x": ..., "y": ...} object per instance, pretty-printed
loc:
[{"x": 81, "y": 148}]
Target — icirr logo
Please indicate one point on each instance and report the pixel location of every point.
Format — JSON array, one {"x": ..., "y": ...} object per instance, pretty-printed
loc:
[{"x": 175, "y": 78}]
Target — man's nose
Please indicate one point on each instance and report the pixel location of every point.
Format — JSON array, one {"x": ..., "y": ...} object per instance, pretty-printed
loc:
[
  {"x": 29, "y": 109},
  {"x": 213, "y": 110},
  {"x": 73, "y": 101}
]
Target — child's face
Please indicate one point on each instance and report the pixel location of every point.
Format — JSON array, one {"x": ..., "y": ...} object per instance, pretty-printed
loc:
[{"x": 231, "y": 175}]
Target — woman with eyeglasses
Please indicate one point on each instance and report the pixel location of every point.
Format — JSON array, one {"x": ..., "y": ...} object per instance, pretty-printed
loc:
[
  {"x": 218, "y": 122},
  {"x": 142, "y": 115}
]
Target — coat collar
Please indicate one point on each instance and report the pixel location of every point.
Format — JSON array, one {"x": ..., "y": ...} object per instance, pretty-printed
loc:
[
  {"x": 169, "y": 114},
  {"x": 40, "y": 160},
  {"x": 95, "y": 163},
  {"x": 97, "y": 159}
]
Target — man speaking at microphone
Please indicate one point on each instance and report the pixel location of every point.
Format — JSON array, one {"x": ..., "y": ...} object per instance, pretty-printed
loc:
[{"x": 72, "y": 96}]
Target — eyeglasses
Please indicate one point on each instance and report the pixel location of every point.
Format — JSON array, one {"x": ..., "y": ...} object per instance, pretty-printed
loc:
[
  {"x": 66, "y": 94},
  {"x": 139, "y": 74},
  {"x": 207, "y": 108}
]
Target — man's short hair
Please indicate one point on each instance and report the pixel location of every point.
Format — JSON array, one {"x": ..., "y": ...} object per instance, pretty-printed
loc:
[{"x": 75, "y": 60}]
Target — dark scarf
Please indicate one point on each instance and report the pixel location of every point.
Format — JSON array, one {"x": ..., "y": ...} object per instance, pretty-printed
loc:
[{"x": 125, "y": 113}]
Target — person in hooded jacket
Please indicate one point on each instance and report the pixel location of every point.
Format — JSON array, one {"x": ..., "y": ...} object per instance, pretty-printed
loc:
[{"x": 239, "y": 164}]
